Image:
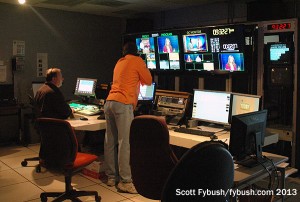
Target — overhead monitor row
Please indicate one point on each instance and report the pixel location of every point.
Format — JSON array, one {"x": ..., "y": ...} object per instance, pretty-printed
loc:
[{"x": 201, "y": 49}]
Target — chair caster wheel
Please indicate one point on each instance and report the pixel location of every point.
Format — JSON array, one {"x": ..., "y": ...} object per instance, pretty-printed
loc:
[
  {"x": 97, "y": 198},
  {"x": 24, "y": 163},
  {"x": 38, "y": 169}
]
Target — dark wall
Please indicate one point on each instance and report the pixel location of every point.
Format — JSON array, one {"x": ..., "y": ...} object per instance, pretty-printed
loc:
[{"x": 81, "y": 45}]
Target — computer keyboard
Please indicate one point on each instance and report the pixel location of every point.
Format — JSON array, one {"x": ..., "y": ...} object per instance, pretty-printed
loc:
[
  {"x": 210, "y": 129},
  {"x": 194, "y": 132}
]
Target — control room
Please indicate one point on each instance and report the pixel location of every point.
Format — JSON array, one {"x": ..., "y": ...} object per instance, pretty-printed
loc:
[{"x": 149, "y": 100}]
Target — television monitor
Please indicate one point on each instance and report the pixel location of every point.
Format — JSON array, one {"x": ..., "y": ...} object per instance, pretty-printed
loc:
[
  {"x": 211, "y": 106},
  {"x": 231, "y": 62},
  {"x": 244, "y": 103},
  {"x": 280, "y": 53},
  {"x": 147, "y": 93},
  {"x": 146, "y": 49},
  {"x": 168, "y": 52},
  {"x": 195, "y": 43},
  {"x": 36, "y": 86},
  {"x": 168, "y": 44},
  {"x": 247, "y": 135},
  {"x": 85, "y": 87},
  {"x": 145, "y": 45}
]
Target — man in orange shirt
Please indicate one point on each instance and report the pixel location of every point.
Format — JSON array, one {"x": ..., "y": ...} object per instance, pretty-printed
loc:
[{"x": 129, "y": 72}]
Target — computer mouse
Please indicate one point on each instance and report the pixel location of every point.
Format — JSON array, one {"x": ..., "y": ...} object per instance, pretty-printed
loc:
[
  {"x": 213, "y": 137},
  {"x": 83, "y": 118},
  {"x": 101, "y": 117}
]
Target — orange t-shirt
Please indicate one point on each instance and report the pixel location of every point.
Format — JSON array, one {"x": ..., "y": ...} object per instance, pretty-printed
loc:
[{"x": 129, "y": 72}]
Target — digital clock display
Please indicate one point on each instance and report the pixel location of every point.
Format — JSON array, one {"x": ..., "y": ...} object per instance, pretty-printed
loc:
[{"x": 280, "y": 26}]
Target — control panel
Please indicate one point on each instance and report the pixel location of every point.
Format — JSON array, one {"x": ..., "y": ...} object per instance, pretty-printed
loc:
[
  {"x": 85, "y": 109},
  {"x": 172, "y": 104}
]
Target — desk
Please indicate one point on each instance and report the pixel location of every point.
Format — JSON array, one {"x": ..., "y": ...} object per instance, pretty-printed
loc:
[
  {"x": 92, "y": 124},
  {"x": 188, "y": 141},
  {"x": 244, "y": 176}
]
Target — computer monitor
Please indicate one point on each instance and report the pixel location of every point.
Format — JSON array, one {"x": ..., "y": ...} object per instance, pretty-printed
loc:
[
  {"x": 244, "y": 103},
  {"x": 147, "y": 93},
  {"x": 85, "y": 87},
  {"x": 247, "y": 135},
  {"x": 211, "y": 106},
  {"x": 231, "y": 62},
  {"x": 36, "y": 86}
]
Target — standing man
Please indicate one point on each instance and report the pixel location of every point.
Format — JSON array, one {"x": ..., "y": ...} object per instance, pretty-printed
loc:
[
  {"x": 129, "y": 72},
  {"x": 49, "y": 99}
]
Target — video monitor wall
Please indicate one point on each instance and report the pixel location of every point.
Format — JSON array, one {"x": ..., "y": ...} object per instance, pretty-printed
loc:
[
  {"x": 214, "y": 48},
  {"x": 218, "y": 49}
]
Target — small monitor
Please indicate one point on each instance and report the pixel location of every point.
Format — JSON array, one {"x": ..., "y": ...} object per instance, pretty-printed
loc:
[
  {"x": 247, "y": 136},
  {"x": 85, "y": 87},
  {"x": 211, "y": 106},
  {"x": 231, "y": 62},
  {"x": 280, "y": 53},
  {"x": 147, "y": 93},
  {"x": 244, "y": 103},
  {"x": 195, "y": 43},
  {"x": 36, "y": 86}
]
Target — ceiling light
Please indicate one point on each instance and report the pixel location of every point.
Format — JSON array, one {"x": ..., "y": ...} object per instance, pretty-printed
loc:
[{"x": 21, "y": 1}]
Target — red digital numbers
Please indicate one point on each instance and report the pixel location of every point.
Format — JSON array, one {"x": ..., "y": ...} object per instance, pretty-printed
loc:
[{"x": 279, "y": 26}]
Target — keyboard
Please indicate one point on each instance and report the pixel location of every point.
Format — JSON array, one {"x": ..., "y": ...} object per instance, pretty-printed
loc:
[
  {"x": 194, "y": 132},
  {"x": 210, "y": 129}
]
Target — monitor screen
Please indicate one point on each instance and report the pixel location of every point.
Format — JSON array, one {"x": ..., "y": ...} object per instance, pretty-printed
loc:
[
  {"x": 147, "y": 93},
  {"x": 280, "y": 53},
  {"x": 247, "y": 135},
  {"x": 244, "y": 103},
  {"x": 231, "y": 61},
  {"x": 211, "y": 106},
  {"x": 36, "y": 86},
  {"x": 195, "y": 43},
  {"x": 85, "y": 87},
  {"x": 168, "y": 52},
  {"x": 146, "y": 49}
]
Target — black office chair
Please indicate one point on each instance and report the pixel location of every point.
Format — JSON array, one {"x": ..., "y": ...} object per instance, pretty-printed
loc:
[
  {"x": 206, "y": 166},
  {"x": 151, "y": 157},
  {"x": 59, "y": 152},
  {"x": 35, "y": 115}
]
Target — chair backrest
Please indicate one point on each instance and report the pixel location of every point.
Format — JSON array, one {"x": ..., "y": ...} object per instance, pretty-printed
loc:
[
  {"x": 58, "y": 143},
  {"x": 151, "y": 157},
  {"x": 206, "y": 166}
]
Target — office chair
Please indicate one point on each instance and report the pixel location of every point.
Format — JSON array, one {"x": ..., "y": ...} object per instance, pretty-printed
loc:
[
  {"x": 206, "y": 166},
  {"x": 35, "y": 115},
  {"x": 151, "y": 157},
  {"x": 59, "y": 152}
]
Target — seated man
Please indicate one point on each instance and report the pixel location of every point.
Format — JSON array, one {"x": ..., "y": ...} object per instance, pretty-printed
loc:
[{"x": 49, "y": 99}]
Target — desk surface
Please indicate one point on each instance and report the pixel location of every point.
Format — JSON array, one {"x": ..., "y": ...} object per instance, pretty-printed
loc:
[
  {"x": 244, "y": 176},
  {"x": 92, "y": 124},
  {"x": 188, "y": 141}
]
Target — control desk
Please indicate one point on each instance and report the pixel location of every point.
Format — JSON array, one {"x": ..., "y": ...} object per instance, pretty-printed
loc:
[
  {"x": 172, "y": 104},
  {"x": 85, "y": 108}
]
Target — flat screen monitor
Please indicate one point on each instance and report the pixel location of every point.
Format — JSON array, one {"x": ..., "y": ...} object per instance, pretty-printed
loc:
[
  {"x": 247, "y": 135},
  {"x": 146, "y": 49},
  {"x": 85, "y": 87},
  {"x": 195, "y": 43},
  {"x": 280, "y": 53},
  {"x": 36, "y": 86},
  {"x": 244, "y": 103},
  {"x": 147, "y": 93},
  {"x": 211, "y": 106},
  {"x": 168, "y": 52},
  {"x": 231, "y": 62}
]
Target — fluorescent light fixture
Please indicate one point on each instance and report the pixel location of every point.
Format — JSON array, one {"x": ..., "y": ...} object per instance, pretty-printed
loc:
[{"x": 21, "y": 1}]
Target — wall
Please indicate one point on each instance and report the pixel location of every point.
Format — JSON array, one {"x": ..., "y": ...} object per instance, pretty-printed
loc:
[{"x": 81, "y": 45}]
